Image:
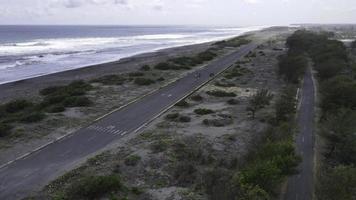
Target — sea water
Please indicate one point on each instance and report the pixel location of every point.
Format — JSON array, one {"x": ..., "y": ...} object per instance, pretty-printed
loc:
[{"x": 31, "y": 51}]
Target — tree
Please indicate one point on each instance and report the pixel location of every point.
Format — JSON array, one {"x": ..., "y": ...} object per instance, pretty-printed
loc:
[{"x": 259, "y": 100}]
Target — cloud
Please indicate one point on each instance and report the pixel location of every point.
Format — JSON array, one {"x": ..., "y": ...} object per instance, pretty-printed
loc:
[
  {"x": 251, "y": 1},
  {"x": 81, "y": 3}
]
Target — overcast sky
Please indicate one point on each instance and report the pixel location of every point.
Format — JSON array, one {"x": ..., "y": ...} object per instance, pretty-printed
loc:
[{"x": 198, "y": 12}]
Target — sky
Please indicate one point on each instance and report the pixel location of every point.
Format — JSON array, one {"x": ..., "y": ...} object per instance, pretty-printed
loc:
[{"x": 177, "y": 12}]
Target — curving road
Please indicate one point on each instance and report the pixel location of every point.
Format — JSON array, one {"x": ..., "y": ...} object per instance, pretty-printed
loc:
[
  {"x": 300, "y": 186},
  {"x": 20, "y": 178}
]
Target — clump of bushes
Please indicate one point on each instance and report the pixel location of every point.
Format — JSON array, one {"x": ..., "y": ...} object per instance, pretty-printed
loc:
[
  {"x": 167, "y": 66},
  {"x": 17, "y": 105},
  {"x": 136, "y": 74},
  {"x": 221, "y": 93},
  {"x": 196, "y": 98},
  {"x": 71, "y": 95},
  {"x": 132, "y": 160},
  {"x": 33, "y": 117},
  {"x": 176, "y": 117},
  {"x": 159, "y": 146},
  {"x": 110, "y": 80},
  {"x": 94, "y": 187},
  {"x": 182, "y": 103},
  {"x": 144, "y": 81},
  {"x": 233, "y": 102},
  {"x": 145, "y": 68},
  {"x": 4, "y": 129},
  {"x": 259, "y": 100},
  {"x": 234, "y": 42},
  {"x": 217, "y": 122},
  {"x": 203, "y": 111}
]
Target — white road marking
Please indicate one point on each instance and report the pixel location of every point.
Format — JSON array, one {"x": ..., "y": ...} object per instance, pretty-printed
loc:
[
  {"x": 303, "y": 139},
  {"x": 124, "y": 133},
  {"x": 169, "y": 95}
]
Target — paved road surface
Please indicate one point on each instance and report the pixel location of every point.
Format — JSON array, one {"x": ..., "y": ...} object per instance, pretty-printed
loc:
[
  {"x": 24, "y": 176},
  {"x": 300, "y": 186}
]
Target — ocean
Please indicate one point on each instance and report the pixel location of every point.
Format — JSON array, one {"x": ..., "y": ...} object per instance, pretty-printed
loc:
[{"x": 31, "y": 51}]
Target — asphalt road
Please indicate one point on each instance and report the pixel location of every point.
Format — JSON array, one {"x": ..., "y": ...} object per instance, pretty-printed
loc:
[
  {"x": 24, "y": 176},
  {"x": 300, "y": 186}
]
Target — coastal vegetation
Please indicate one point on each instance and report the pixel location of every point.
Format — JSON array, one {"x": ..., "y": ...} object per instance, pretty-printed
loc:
[
  {"x": 54, "y": 99},
  {"x": 336, "y": 172}
]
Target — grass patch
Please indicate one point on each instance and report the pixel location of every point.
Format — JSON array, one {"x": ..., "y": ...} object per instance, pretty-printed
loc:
[
  {"x": 132, "y": 160},
  {"x": 144, "y": 81},
  {"x": 94, "y": 187},
  {"x": 221, "y": 93},
  {"x": 217, "y": 122},
  {"x": 5, "y": 129},
  {"x": 203, "y": 111},
  {"x": 182, "y": 103},
  {"x": 233, "y": 101},
  {"x": 136, "y": 74},
  {"x": 145, "y": 68},
  {"x": 176, "y": 117},
  {"x": 197, "y": 98},
  {"x": 110, "y": 80}
]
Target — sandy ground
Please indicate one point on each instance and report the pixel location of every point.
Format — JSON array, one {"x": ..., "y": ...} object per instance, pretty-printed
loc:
[{"x": 230, "y": 142}]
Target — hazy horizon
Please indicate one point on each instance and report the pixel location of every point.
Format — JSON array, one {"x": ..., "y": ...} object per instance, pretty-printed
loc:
[{"x": 174, "y": 12}]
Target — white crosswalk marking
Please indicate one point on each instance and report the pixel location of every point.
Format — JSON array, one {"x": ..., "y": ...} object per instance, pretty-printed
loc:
[{"x": 108, "y": 130}]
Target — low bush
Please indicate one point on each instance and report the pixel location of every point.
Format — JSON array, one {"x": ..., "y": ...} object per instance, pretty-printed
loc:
[
  {"x": 94, "y": 187},
  {"x": 166, "y": 66},
  {"x": 110, "y": 80},
  {"x": 224, "y": 84},
  {"x": 206, "y": 55},
  {"x": 259, "y": 100},
  {"x": 136, "y": 74},
  {"x": 32, "y": 117},
  {"x": 144, "y": 81},
  {"x": 233, "y": 102},
  {"x": 184, "y": 119},
  {"x": 77, "y": 101},
  {"x": 56, "y": 108},
  {"x": 182, "y": 103},
  {"x": 217, "y": 122},
  {"x": 159, "y": 146},
  {"x": 221, "y": 93},
  {"x": 203, "y": 111},
  {"x": 132, "y": 160},
  {"x": 196, "y": 98},
  {"x": 145, "y": 68},
  {"x": 17, "y": 105},
  {"x": 172, "y": 116},
  {"x": 4, "y": 129},
  {"x": 160, "y": 79}
]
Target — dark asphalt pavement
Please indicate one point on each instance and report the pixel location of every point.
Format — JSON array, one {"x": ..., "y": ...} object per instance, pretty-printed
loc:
[
  {"x": 24, "y": 176},
  {"x": 300, "y": 186}
]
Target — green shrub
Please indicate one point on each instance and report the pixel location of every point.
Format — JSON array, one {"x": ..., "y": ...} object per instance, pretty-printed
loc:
[
  {"x": 32, "y": 117},
  {"x": 224, "y": 84},
  {"x": 51, "y": 90},
  {"x": 132, "y": 160},
  {"x": 184, "y": 119},
  {"x": 221, "y": 93},
  {"x": 160, "y": 79},
  {"x": 94, "y": 187},
  {"x": 166, "y": 66},
  {"x": 182, "y": 103},
  {"x": 17, "y": 105},
  {"x": 77, "y": 101},
  {"x": 206, "y": 55},
  {"x": 259, "y": 100},
  {"x": 4, "y": 129},
  {"x": 172, "y": 116},
  {"x": 196, "y": 98},
  {"x": 144, "y": 81},
  {"x": 56, "y": 109},
  {"x": 136, "y": 74},
  {"x": 145, "y": 68},
  {"x": 110, "y": 80},
  {"x": 217, "y": 122},
  {"x": 203, "y": 111},
  {"x": 233, "y": 102},
  {"x": 159, "y": 146}
]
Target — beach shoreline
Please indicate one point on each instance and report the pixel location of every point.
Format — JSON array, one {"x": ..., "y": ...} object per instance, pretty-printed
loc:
[{"x": 29, "y": 88}]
